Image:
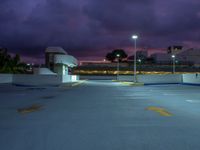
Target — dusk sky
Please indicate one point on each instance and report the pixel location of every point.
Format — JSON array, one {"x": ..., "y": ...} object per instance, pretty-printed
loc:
[{"x": 89, "y": 29}]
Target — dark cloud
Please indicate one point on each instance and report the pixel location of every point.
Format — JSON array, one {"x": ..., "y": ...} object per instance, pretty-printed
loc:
[
  {"x": 86, "y": 27},
  {"x": 122, "y": 16}
]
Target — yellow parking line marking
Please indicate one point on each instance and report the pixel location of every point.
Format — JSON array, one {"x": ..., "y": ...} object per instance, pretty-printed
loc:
[
  {"x": 115, "y": 81},
  {"x": 78, "y": 83},
  {"x": 133, "y": 84},
  {"x": 71, "y": 84},
  {"x": 29, "y": 109},
  {"x": 161, "y": 111}
]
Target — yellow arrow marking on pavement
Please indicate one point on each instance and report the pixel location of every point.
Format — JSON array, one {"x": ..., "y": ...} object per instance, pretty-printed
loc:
[{"x": 161, "y": 111}]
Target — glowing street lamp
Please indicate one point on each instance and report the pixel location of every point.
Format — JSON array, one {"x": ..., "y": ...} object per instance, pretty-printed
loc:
[
  {"x": 173, "y": 60},
  {"x": 118, "y": 55},
  {"x": 140, "y": 62},
  {"x": 135, "y": 37}
]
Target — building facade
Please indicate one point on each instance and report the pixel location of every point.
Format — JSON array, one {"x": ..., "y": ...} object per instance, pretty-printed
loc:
[
  {"x": 58, "y": 61},
  {"x": 185, "y": 56}
]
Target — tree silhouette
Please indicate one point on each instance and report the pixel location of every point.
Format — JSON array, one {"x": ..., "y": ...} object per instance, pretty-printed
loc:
[
  {"x": 9, "y": 64},
  {"x": 116, "y": 54},
  {"x": 110, "y": 57}
]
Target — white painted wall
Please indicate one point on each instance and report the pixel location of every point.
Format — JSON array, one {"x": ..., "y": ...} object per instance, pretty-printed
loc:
[
  {"x": 74, "y": 78},
  {"x": 65, "y": 59},
  {"x": 43, "y": 71},
  {"x": 6, "y": 78},
  {"x": 66, "y": 78},
  {"x": 26, "y": 79},
  {"x": 89, "y": 77},
  {"x": 126, "y": 78},
  {"x": 191, "y": 78},
  {"x": 70, "y": 78},
  {"x": 37, "y": 79},
  {"x": 171, "y": 78}
]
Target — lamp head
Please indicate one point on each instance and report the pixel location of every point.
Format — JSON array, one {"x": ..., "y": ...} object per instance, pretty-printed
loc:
[{"x": 134, "y": 37}]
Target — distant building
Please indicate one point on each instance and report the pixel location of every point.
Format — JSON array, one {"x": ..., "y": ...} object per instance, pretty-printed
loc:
[
  {"x": 183, "y": 56},
  {"x": 101, "y": 64},
  {"x": 58, "y": 61},
  {"x": 174, "y": 49},
  {"x": 92, "y": 62},
  {"x": 189, "y": 55},
  {"x": 161, "y": 58},
  {"x": 142, "y": 53}
]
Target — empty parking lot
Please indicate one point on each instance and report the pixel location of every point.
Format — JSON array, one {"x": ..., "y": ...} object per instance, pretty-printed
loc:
[{"x": 100, "y": 115}]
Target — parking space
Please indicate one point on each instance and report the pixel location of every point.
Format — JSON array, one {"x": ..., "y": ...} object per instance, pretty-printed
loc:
[{"x": 100, "y": 115}]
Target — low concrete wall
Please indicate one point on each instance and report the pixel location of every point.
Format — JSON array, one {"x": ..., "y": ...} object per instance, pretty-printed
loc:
[
  {"x": 35, "y": 80},
  {"x": 70, "y": 78},
  {"x": 74, "y": 78},
  {"x": 126, "y": 78},
  {"x": 191, "y": 78},
  {"x": 43, "y": 71},
  {"x": 88, "y": 77},
  {"x": 66, "y": 78},
  {"x": 26, "y": 79},
  {"x": 150, "y": 79},
  {"x": 23, "y": 79},
  {"x": 6, "y": 78},
  {"x": 147, "y": 79}
]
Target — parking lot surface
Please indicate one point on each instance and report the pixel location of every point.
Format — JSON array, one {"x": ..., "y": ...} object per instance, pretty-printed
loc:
[{"x": 100, "y": 115}]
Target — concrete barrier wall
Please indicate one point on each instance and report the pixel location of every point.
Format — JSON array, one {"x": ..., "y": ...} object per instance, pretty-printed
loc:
[
  {"x": 37, "y": 80},
  {"x": 191, "y": 78},
  {"x": 56, "y": 79},
  {"x": 70, "y": 78},
  {"x": 171, "y": 78},
  {"x": 6, "y": 78},
  {"x": 43, "y": 71},
  {"x": 126, "y": 78},
  {"x": 66, "y": 78},
  {"x": 26, "y": 79},
  {"x": 149, "y": 79},
  {"x": 88, "y": 77},
  {"x": 74, "y": 78}
]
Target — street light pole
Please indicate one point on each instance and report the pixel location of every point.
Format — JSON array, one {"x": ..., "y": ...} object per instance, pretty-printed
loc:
[
  {"x": 140, "y": 61},
  {"x": 173, "y": 59},
  {"x": 135, "y": 37},
  {"x": 118, "y": 66}
]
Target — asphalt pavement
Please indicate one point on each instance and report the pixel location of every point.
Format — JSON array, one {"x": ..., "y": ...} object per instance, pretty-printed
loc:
[{"x": 100, "y": 115}]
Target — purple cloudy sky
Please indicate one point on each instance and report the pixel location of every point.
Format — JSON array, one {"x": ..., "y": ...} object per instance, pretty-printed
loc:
[{"x": 89, "y": 29}]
